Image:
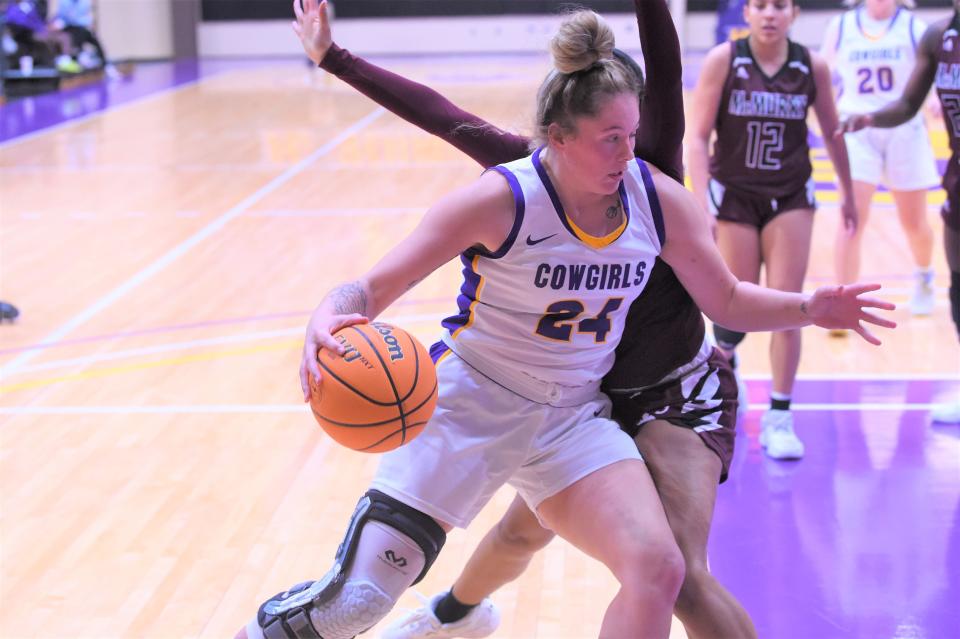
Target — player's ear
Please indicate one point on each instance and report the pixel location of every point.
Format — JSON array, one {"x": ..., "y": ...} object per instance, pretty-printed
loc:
[{"x": 556, "y": 136}]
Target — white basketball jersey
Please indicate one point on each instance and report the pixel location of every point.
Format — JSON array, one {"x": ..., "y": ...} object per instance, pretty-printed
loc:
[
  {"x": 874, "y": 59},
  {"x": 549, "y": 305}
]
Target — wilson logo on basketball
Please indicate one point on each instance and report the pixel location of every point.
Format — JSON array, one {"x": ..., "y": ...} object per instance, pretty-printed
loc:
[
  {"x": 352, "y": 353},
  {"x": 393, "y": 346},
  {"x": 379, "y": 394}
]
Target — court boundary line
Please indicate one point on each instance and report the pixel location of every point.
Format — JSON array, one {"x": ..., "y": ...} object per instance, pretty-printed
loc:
[
  {"x": 199, "y": 236},
  {"x": 220, "y": 409}
]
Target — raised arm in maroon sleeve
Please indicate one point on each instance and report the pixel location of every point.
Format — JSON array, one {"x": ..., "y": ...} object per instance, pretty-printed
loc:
[
  {"x": 660, "y": 140},
  {"x": 422, "y": 106}
]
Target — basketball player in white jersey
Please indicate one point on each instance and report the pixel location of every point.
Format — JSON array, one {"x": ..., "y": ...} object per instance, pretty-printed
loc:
[
  {"x": 872, "y": 49},
  {"x": 555, "y": 247}
]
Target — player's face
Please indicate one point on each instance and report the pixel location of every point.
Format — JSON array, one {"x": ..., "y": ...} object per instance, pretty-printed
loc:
[
  {"x": 881, "y": 7},
  {"x": 769, "y": 20},
  {"x": 604, "y": 143}
]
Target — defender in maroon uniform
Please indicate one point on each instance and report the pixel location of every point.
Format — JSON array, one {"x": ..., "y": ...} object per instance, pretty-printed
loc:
[
  {"x": 755, "y": 93},
  {"x": 938, "y": 64},
  {"x": 661, "y": 358}
]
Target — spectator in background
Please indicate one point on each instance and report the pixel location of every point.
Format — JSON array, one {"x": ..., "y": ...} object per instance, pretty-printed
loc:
[
  {"x": 26, "y": 21},
  {"x": 75, "y": 17}
]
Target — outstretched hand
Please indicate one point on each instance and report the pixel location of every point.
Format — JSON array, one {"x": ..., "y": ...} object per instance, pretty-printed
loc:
[
  {"x": 320, "y": 331},
  {"x": 843, "y": 307},
  {"x": 312, "y": 26}
]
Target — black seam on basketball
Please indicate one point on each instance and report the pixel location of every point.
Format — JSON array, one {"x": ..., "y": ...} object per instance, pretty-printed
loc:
[
  {"x": 380, "y": 423},
  {"x": 410, "y": 427},
  {"x": 416, "y": 368},
  {"x": 352, "y": 424},
  {"x": 350, "y": 386},
  {"x": 386, "y": 369}
]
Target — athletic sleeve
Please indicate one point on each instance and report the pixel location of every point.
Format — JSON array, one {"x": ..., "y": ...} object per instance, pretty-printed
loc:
[
  {"x": 660, "y": 138},
  {"x": 425, "y": 108}
]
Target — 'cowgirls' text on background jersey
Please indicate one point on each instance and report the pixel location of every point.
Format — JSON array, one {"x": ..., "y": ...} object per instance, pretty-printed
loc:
[{"x": 874, "y": 60}]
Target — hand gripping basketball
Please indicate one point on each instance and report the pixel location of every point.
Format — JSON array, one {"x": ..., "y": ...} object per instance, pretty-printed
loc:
[{"x": 377, "y": 391}]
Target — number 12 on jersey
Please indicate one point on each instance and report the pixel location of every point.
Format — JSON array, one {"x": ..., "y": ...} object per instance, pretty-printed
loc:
[{"x": 558, "y": 321}]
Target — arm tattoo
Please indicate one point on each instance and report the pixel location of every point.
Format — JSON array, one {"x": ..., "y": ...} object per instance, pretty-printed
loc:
[
  {"x": 348, "y": 298},
  {"x": 803, "y": 308}
]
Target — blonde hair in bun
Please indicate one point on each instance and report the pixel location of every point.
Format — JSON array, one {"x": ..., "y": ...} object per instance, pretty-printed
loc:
[
  {"x": 584, "y": 39},
  {"x": 587, "y": 73}
]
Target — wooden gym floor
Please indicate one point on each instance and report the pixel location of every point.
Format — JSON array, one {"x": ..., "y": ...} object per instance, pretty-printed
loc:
[{"x": 159, "y": 475}]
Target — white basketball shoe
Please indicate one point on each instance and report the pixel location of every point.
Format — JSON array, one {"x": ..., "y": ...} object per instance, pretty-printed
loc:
[{"x": 422, "y": 623}]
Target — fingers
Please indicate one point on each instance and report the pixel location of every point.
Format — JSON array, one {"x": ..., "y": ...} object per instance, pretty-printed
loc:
[
  {"x": 873, "y": 302},
  {"x": 296, "y": 28},
  {"x": 858, "y": 289},
  {"x": 876, "y": 319},
  {"x": 348, "y": 320},
  {"x": 297, "y": 10},
  {"x": 304, "y": 381},
  {"x": 324, "y": 16},
  {"x": 866, "y": 335}
]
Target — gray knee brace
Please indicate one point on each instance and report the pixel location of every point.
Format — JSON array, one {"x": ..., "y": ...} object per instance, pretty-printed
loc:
[{"x": 354, "y": 605}]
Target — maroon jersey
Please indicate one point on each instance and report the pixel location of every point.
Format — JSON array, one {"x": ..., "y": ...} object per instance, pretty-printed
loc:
[
  {"x": 761, "y": 126},
  {"x": 947, "y": 82}
]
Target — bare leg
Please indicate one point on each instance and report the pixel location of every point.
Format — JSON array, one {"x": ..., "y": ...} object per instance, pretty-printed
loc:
[
  {"x": 628, "y": 532},
  {"x": 786, "y": 252},
  {"x": 912, "y": 209},
  {"x": 847, "y": 247},
  {"x": 739, "y": 244},
  {"x": 686, "y": 473},
  {"x": 503, "y": 554}
]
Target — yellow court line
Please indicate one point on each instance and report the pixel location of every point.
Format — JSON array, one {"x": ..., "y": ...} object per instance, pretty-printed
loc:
[{"x": 173, "y": 361}]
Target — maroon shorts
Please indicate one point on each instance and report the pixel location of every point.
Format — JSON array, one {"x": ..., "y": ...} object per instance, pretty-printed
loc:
[
  {"x": 704, "y": 399},
  {"x": 732, "y": 205}
]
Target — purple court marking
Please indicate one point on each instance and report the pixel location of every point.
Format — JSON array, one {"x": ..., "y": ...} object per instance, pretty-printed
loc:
[
  {"x": 851, "y": 391},
  {"x": 24, "y": 116},
  {"x": 860, "y": 539},
  {"x": 170, "y": 328}
]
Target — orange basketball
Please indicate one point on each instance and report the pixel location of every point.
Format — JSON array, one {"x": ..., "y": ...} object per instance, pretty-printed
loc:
[{"x": 380, "y": 393}]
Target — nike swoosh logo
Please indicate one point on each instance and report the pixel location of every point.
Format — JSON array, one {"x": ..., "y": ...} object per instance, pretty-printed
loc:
[{"x": 533, "y": 242}]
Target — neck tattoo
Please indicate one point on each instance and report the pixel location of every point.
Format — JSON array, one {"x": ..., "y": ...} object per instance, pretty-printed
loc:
[{"x": 614, "y": 210}]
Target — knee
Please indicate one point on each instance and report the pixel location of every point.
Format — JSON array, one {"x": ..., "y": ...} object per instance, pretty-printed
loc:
[
  {"x": 917, "y": 225},
  {"x": 659, "y": 567},
  {"x": 696, "y": 582},
  {"x": 512, "y": 538}
]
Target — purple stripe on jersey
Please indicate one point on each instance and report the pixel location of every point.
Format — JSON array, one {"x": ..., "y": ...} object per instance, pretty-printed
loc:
[
  {"x": 468, "y": 295},
  {"x": 655, "y": 209},
  {"x": 552, "y": 192},
  {"x": 913, "y": 36},
  {"x": 519, "y": 208},
  {"x": 622, "y": 190},
  {"x": 438, "y": 350}
]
